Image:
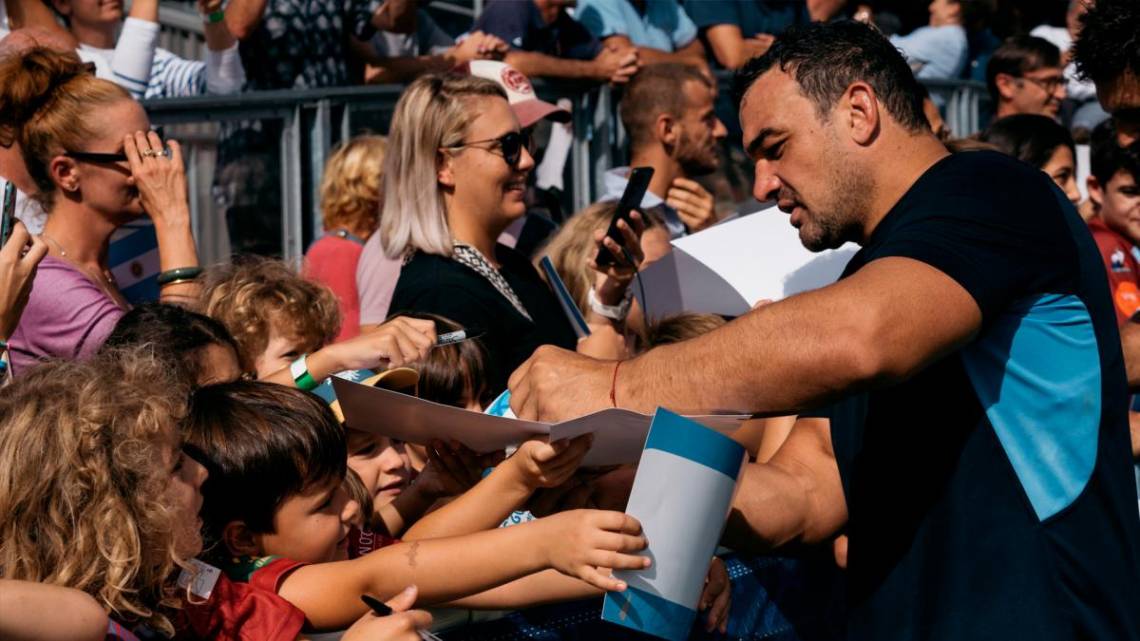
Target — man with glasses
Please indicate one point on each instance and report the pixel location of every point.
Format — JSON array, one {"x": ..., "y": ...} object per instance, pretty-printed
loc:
[{"x": 1025, "y": 76}]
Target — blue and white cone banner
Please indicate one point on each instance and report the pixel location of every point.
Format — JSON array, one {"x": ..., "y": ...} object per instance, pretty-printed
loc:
[{"x": 681, "y": 495}]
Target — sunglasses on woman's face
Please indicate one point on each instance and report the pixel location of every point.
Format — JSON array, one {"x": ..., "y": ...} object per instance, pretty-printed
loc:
[
  {"x": 510, "y": 144},
  {"x": 119, "y": 156}
]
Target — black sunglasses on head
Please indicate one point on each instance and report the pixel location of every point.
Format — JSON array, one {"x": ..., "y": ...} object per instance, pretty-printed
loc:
[{"x": 511, "y": 144}]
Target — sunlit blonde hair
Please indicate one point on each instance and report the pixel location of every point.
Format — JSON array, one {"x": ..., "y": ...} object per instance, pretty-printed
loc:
[
  {"x": 83, "y": 487},
  {"x": 250, "y": 295},
  {"x": 434, "y": 112},
  {"x": 571, "y": 248},
  {"x": 350, "y": 187},
  {"x": 47, "y": 99}
]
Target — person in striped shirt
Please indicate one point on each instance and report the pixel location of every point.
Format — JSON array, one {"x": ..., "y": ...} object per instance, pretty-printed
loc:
[{"x": 148, "y": 70}]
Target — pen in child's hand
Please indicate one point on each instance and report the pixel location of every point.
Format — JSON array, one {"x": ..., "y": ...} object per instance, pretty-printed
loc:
[{"x": 382, "y": 610}]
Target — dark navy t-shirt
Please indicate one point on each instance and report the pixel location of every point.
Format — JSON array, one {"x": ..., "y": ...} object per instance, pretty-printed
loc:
[
  {"x": 752, "y": 16},
  {"x": 991, "y": 495},
  {"x": 519, "y": 24}
]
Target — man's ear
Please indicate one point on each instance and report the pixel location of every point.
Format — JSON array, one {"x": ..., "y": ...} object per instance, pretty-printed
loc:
[
  {"x": 1006, "y": 85},
  {"x": 861, "y": 109},
  {"x": 444, "y": 172},
  {"x": 240, "y": 540},
  {"x": 1096, "y": 192},
  {"x": 64, "y": 172},
  {"x": 668, "y": 130}
]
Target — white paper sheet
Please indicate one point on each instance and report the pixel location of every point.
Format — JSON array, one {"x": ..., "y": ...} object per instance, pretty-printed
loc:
[
  {"x": 728, "y": 268},
  {"x": 619, "y": 434}
]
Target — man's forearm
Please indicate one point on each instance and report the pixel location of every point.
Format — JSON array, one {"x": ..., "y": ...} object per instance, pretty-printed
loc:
[
  {"x": 797, "y": 497},
  {"x": 872, "y": 328},
  {"x": 244, "y": 16},
  {"x": 532, "y": 64}
]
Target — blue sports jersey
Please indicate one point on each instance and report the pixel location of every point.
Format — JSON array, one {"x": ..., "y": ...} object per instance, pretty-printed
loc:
[{"x": 991, "y": 495}]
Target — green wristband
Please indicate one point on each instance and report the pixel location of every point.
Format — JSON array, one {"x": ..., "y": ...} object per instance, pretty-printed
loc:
[
  {"x": 215, "y": 17},
  {"x": 301, "y": 376},
  {"x": 179, "y": 273}
]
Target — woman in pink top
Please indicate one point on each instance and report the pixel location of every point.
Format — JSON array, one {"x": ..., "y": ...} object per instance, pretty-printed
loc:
[
  {"x": 350, "y": 211},
  {"x": 96, "y": 166}
]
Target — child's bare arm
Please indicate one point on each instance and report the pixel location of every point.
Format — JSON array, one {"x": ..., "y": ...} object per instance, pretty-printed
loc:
[
  {"x": 535, "y": 464},
  {"x": 574, "y": 543},
  {"x": 544, "y": 587}
]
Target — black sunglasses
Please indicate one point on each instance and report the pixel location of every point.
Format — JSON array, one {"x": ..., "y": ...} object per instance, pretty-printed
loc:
[
  {"x": 119, "y": 156},
  {"x": 510, "y": 143}
]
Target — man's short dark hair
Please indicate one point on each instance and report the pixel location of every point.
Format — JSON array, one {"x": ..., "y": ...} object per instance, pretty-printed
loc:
[
  {"x": 1018, "y": 56},
  {"x": 1109, "y": 41},
  {"x": 262, "y": 443},
  {"x": 656, "y": 89},
  {"x": 825, "y": 58},
  {"x": 1107, "y": 157},
  {"x": 1031, "y": 138}
]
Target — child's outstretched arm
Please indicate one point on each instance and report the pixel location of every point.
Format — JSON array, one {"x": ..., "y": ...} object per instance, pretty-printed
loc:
[
  {"x": 535, "y": 464},
  {"x": 551, "y": 587},
  {"x": 451, "y": 470},
  {"x": 575, "y": 543}
]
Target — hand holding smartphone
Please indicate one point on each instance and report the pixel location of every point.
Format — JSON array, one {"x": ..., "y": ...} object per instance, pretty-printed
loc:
[
  {"x": 9, "y": 214},
  {"x": 630, "y": 199}
]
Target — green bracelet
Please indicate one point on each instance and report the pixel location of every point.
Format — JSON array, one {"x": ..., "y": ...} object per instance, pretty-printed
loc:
[
  {"x": 178, "y": 273},
  {"x": 301, "y": 376},
  {"x": 215, "y": 17}
]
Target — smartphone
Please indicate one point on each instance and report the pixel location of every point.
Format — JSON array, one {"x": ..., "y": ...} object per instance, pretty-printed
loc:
[
  {"x": 630, "y": 200},
  {"x": 9, "y": 216}
]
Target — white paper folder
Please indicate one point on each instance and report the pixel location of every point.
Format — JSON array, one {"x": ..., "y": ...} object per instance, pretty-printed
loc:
[
  {"x": 729, "y": 267},
  {"x": 619, "y": 434}
]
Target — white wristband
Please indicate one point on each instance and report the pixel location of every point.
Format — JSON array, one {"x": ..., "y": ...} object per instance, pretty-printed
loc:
[{"x": 613, "y": 312}]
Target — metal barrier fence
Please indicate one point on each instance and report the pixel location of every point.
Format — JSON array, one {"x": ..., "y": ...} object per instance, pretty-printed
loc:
[{"x": 308, "y": 125}]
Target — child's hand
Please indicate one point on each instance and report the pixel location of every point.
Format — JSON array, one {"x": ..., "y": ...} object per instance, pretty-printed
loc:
[
  {"x": 716, "y": 597},
  {"x": 581, "y": 541},
  {"x": 402, "y": 625},
  {"x": 397, "y": 342},
  {"x": 549, "y": 464},
  {"x": 451, "y": 469}
]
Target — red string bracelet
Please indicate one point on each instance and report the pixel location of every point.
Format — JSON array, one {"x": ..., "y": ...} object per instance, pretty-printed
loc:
[{"x": 613, "y": 385}]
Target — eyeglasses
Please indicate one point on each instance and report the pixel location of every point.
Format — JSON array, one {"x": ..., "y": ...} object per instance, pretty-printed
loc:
[
  {"x": 511, "y": 144},
  {"x": 1048, "y": 85}
]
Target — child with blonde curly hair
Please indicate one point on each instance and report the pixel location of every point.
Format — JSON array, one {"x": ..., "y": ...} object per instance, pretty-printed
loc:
[
  {"x": 350, "y": 212},
  {"x": 284, "y": 326}
]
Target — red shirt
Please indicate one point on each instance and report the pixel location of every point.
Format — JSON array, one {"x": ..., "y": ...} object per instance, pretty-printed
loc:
[
  {"x": 247, "y": 610},
  {"x": 363, "y": 541},
  {"x": 1122, "y": 264},
  {"x": 332, "y": 262}
]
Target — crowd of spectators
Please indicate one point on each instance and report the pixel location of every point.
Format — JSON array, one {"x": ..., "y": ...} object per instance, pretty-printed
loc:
[{"x": 943, "y": 443}]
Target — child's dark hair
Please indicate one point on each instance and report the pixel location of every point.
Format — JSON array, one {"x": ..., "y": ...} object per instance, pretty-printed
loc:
[
  {"x": 262, "y": 443},
  {"x": 1107, "y": 157},
  {"x": 176, "y": 333},
  {"x": 1031, "y": 138},
  {"x": 454, "y": 374}
]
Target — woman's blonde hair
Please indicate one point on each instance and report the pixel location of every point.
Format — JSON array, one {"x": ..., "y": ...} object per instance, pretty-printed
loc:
[
  {"x": 433, "y": 112},
  {"x": 47, "y": 98},
  {"x": 350, "y": 187},
  {"x": 249, "y": 295},
  {"x": 572, "y": 246},
  {"x": 83, "y": 487}
]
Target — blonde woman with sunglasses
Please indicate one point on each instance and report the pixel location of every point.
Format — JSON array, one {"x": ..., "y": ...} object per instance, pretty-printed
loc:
[{"x": 455, "y": 177}]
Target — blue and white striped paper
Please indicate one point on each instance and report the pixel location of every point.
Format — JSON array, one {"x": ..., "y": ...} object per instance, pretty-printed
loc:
[{"x": 682, "y": 495}]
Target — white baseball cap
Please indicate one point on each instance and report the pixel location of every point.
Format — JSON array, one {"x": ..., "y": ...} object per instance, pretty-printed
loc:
[{"x": 520, "y": 93}]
